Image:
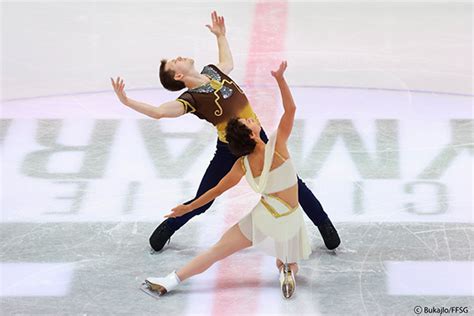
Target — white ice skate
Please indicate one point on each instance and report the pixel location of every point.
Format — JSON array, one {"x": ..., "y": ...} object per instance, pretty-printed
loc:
[
  {"x": 160, "y": 286},
  {"x": 287, "y": 281}
]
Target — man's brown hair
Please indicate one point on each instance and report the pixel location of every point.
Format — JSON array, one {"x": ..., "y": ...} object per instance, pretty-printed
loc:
[{"x": 167, "y": 78}]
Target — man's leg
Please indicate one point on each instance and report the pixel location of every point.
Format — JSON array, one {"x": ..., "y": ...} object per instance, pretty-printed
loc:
[
  {"x": 219, "y": 166},
  {"x": 310, "y": 204},
  {"x": 315, "y": 212}
]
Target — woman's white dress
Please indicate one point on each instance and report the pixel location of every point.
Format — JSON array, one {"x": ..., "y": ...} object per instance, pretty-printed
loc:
[{"x": 272, "y": 225}]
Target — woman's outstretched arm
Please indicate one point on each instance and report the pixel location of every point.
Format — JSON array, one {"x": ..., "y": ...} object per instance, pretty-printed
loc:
[
  {"x": 231, "y": 179},
  {"x": 288, "y": 117}
]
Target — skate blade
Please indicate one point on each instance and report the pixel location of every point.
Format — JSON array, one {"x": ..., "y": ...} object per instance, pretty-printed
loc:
[
  {"x": 288, "y": 290},
  {"x": 289, "y": 285},
  {"x": 148, "y": 288}
]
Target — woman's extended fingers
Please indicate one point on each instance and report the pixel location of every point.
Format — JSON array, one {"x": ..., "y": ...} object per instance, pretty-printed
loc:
[
  {"x": 115, "y": 83},
  {"x": 280, "y": 71},
  {"x": 118, "y": 84},
  {"x": 282, "y": 66}
]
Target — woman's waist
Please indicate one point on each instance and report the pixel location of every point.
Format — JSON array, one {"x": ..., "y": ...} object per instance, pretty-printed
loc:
[
  {"x": 279, "y": 205},
  {"x": 285, "y": 188}
]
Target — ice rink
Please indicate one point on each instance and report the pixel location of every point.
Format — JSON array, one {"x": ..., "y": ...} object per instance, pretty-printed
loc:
[{"x": 384, "y": 136}]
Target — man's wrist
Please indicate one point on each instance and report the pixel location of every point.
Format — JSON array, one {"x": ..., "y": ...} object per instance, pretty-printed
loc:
[{"x": 220, "y": 36}]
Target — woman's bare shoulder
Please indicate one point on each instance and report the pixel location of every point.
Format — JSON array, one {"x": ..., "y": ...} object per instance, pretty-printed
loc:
[{"x": 282, "y": 149}]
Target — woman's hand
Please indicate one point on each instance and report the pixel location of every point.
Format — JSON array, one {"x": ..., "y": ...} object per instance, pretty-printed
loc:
[
  {"x": 119, "y": 90},
  {"x": 179, "y": 210},
  {"x": 278, "y": 74}
]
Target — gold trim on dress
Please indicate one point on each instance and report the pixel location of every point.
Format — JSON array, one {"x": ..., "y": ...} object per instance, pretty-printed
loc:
[
  {"x": 280, "y": 156},
  {"x": 272, "y": 210},
  {"x": 243, "y": 164},
  {"x": 283, "y": 201}
]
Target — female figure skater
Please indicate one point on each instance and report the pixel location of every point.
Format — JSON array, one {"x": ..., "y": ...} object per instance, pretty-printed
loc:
[{"x": 275, "y": 224}]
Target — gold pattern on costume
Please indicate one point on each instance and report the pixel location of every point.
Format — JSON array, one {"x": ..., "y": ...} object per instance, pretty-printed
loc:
[
  {"x": 221, "y": 131},
  {"x": 187, "y": 105},
  {"x": 247, "y": 112},
  {"x": 232, "y": 83},
  {"x": 217, "y": 86},
  {"x": 272, "y": 210}
]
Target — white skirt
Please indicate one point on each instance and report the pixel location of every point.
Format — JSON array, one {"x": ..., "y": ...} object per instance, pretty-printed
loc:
[{"x": 276, "y": 229}]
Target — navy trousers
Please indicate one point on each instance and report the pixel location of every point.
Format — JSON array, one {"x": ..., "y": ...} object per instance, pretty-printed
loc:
[{"x": 220, "y": 165}]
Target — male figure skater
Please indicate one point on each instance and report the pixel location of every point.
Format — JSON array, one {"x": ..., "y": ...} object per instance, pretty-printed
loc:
[{"x": 213, "y": 96}]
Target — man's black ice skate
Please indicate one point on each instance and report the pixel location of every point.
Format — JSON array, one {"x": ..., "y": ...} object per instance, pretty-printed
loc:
[
  {"x": 160, "y": 236},
  {"x": 329, "y": 234}
]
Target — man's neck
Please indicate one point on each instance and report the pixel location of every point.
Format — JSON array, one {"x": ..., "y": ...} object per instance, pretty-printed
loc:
[{"x": 195, "y": 80}]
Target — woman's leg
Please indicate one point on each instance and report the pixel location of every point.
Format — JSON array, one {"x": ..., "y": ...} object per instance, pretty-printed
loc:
[
  {"x": 232, "y": 241},
  {"x": 293, "y": 266},
  {"x": 279, "y": 264}
]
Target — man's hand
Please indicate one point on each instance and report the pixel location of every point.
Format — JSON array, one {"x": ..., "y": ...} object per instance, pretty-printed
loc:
[
  {"x": 119, "y": 90},
  {"x": 218, "y": 25},
  {"x": 179, "y": 210},
  {"x": 278, "y": 74}
]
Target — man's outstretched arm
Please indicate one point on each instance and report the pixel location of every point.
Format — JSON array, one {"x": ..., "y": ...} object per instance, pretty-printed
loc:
[
  {"x": 226, "y": 63},
  {"x": 167, "y": 109}
]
